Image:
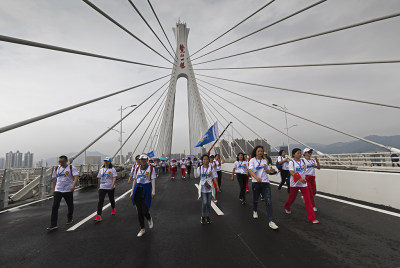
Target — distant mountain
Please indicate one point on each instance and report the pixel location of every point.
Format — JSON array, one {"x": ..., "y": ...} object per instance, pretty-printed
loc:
[
  {"x": 54, "y": 160},
  {"x": 356, "y": 146}
]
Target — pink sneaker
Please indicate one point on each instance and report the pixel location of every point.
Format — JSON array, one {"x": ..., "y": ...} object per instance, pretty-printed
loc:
[
  {"x": 98, "y": 218},
  {"x": 113, "y": 211}
]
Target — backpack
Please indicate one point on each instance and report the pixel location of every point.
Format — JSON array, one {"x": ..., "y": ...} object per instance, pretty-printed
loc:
[{"x": 278, "y": 166}]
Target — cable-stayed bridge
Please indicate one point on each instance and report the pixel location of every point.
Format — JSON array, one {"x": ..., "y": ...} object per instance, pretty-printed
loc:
[{"x": 357, "y": 200}]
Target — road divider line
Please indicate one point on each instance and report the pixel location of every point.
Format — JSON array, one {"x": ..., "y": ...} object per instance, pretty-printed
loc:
[
  {"x": 91, "y": 216},
  {"x": 213, "y": 205}
]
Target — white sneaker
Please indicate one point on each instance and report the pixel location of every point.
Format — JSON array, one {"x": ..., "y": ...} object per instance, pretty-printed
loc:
[
  {"x": 255, "y": 215},
  {"x": 141, "y": 233},
  {"x": 273, "y": 225},
  {"x": 288, "y": 211},
  {"x": 316, "y": 221},
  {"x": 150, "y": 222},
  {"x": 315, "y": 209},
  {"x": 302, "y": 197}
]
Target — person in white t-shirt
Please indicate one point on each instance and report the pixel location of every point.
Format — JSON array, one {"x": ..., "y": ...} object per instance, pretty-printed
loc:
[
  {"x": 311, "y": 165},
  {"x": 283, "y": 162},
  {"x": 207, "y": 174},
  {"x": 189, "y": 165},
  {"x": 106, "y": 185},
  {"x": 218, "y": 166},
  {"x": 133, "y": 168},
  {"x": 173, "y": 167},
  {"x": 65, "y": 178},
  {"x": 297, "y": 168},
  {"x": 143, "y": 190},
  {"x": 183, "y": 167},
  {"x": 240, "y": 168},
  {"x": 259, "y": 170}
]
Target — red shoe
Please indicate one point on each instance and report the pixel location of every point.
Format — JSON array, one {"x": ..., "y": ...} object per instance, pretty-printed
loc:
[
  {"x": 98, "y": 218},
  {"x": 113, "y": 211}
]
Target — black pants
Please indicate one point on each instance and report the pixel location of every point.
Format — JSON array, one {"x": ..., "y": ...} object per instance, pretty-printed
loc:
[
  {"x": 219, "y": 173},
  {"x": 242, "y": 178},
  {"x": 69, "y": 199},
  {"x": 142, "y": 209},
  {"x": 102, "y": 195},
  {"x": 164, "y": 169},
  {"x": 285, "y": 177},
  {"x": 188, "y": 170}
]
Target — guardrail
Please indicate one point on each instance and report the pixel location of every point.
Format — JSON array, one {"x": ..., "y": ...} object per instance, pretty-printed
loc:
[
  {"x": 378, "y": 162},
  {"x": 22, "y": 183}
]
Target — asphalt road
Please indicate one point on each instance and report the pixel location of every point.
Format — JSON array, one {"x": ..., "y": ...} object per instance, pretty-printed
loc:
[{"x": 347, "y": 236}]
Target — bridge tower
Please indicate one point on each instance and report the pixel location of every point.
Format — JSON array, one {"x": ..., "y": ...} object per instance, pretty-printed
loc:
[{"x": 197, "y": 120}]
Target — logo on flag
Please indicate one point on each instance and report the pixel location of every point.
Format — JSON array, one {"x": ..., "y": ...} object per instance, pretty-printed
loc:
[
  {"x": 211, "y": 135},
  {"x": 151, "y": 154}
]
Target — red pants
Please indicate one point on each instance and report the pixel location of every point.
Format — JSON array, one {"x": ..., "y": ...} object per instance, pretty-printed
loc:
[
  {"x": 173, "y": 170},
  {"x": 183, "y": 170},
  {"x": 312, "y": 188},
  {"x": 247, "y": 184},
  {"x": 215, "y": 190},
  {"x": 307, "y": 201}
]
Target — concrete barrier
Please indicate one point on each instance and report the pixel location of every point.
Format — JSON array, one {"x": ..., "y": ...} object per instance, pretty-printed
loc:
[{"x": 373, "y": 187}]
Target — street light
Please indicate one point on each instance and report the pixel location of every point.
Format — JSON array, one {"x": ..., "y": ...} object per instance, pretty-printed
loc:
[
  {"x": 287, "y": 128},
  {"x": 120, "y": 132}
]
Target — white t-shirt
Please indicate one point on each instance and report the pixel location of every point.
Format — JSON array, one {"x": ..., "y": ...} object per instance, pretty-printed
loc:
[
  {"x": 163, "y": 164},
  {"x": 65, "y": 178},
  {"x": 285, "y": 165},
  {"x": 144, "y": 176},
  {"x": 241, "y": 167},
  {"x": 310, "y": 166},
  {"x": 300, "y": 168},
  {"x": 106, "y": 176},
  {"x": 217, "y": 165},
  {"x": 183, "y": 164},
  {"x": 173, "y": 164},
  {"x": 188, "y": 163},
  {"x": 259, "y": 167},
  {"x": 133, "y": 169},
  {"x": 206, "y": 174}
]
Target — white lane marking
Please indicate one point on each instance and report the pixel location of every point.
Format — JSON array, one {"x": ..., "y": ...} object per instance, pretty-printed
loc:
[
  {"x": 213, "y": 205},
  {"x": 73, "y": 228},
  {"x": 30, "y": 203},
  {"x": 347, "y": 202}
]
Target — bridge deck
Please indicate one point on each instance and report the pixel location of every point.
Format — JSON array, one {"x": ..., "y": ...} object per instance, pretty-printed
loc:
[{"x": 348, "y": 236}]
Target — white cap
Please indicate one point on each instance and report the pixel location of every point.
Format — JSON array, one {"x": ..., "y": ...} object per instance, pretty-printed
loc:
[
  {"x": 143, "y": 156},
  {"x": 107, "y": 159},
  {"x": 307, "y": 150}
]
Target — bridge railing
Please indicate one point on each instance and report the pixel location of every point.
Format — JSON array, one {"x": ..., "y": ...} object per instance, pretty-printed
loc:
[
  {"x": 379, "y": 161},
  {"x": 22, "y": 184}
]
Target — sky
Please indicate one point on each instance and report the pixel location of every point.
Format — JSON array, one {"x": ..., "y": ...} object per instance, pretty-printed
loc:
[{"x": 35, "y": 81}]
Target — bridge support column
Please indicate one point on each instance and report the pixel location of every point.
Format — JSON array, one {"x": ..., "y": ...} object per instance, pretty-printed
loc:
[{"x": 5, "y": 189}]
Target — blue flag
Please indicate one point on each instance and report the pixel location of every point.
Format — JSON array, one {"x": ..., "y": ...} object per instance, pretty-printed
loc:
[
  {"x": 211, "y": 135},
  {"x": 151, "y": 154}
]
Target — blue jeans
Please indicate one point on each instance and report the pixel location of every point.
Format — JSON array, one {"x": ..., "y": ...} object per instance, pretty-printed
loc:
[
  {"x": 263, "y": 188},
  {"x": 206, "y": 203}
]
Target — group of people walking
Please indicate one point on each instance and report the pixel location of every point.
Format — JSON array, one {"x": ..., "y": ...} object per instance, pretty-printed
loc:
[{"x": 298, "y": 173}]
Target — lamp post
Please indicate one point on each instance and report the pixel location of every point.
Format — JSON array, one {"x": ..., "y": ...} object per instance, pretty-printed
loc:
[
  {"x": 287, "y": 129},
  {"x": 120, "y": 132}
]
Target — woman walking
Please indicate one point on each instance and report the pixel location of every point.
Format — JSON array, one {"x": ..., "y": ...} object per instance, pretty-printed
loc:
[
  {"x": 173, "y": 167},
  {"x": 283, "y": 165},
  {"x": 106, "y": 185},
  {"x": 143, "y": 190},
  {"x": 218, "y": 165},
  {"x": 298, "y": 182},
  {"x": 311, "y": 165},
  {"x": 240, "y": 169},
  {"x": 206, "y": 190},
  {"x": 258, "y": 169}
]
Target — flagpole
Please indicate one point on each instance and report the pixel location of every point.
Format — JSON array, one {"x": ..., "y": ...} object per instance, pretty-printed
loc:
[{"x": 219, "y": 137}]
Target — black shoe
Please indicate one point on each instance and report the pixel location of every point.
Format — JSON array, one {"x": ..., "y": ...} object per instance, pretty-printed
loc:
[
  {"x": 244, "y": 202},
  {"x": 203, "y": 220},
  {"x": 69, "y": 222},
  {"x": 52, "y": 228},
  {"x": 279, "y": 187},
  {"x": 208, "y": 220}
]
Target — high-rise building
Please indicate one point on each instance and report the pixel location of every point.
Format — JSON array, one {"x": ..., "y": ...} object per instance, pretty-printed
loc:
[
  {"x": 28, "y": 160},
  {"x": 2, "y": 163},
  {"x": 10, "y": 160},
  {"x": 18, "y": 159}
]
